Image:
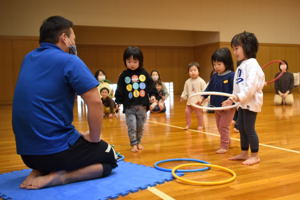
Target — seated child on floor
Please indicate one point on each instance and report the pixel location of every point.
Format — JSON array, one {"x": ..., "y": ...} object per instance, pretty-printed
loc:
[
  {"x": 158, "y": 101},
  {"x": 108, "y": 103}
]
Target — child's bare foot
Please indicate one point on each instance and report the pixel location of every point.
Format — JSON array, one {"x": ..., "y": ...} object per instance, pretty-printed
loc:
[
  {"x": 140, "y": 147},
  {"x": 54, "y": 178},
  {"x": 241, "y": 156},
  {"x": 251, "y": 160},
  {"x": 28, "y": 180},
  {"x": 200, "y": 128},
  {"x": 134, "y": 148},
  {"x": 186, "y": 127},
  {"x": 221, "y": 150}
]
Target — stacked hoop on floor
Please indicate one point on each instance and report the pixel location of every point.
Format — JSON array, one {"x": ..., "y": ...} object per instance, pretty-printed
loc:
[
  {"x": 184, "y": 180},
  {"x": 197, "y": 163},
  {"x": 181, "y": 159}
]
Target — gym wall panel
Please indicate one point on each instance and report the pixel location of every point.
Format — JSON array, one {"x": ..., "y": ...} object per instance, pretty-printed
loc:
[
  {"x": 203, "y": 55},
  {"x": 171, "y": 61},
  {"x": 6, "y": 71}
]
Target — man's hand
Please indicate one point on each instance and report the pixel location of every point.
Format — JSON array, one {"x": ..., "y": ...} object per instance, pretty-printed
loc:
[{"x": 86, "y": 135}]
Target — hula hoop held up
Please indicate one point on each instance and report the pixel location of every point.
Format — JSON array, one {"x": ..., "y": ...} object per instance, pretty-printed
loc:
[
  {"x": 213, "y": 108},
  {"x": 269, "y": 64}
]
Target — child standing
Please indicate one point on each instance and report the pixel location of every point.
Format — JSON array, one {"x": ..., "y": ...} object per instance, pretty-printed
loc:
[
  {"x": 193, "y": 85},
  {"x": 221, "y": 81},
  {"x": 249, "y": 81},
  {"x": 134, "y": 89}
]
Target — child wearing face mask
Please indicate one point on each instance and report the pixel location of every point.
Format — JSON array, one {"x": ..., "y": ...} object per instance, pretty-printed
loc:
[
  {"x": 103, "y": 82},
  {"x": 193, "y": 85},
  {"x": 221, "y": 81},
  {"x": 284, "y": 86},
  {"x": 135, "y": 87}
]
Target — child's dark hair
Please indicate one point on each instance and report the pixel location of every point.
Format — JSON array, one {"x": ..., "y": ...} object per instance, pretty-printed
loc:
[
  {"x": 196, "y": 64},
  {"x": 135, "y": 53},
  {"x": 248, "y": 42},
  {"x": 53, "y": 27},
  {"x": 223, "y": 55},
  {"x": 159, "y": 83},
  {"x": 287, "y": 65},
  {"x": 98, "y": 72},
  {"x": 104, "y": 88}
]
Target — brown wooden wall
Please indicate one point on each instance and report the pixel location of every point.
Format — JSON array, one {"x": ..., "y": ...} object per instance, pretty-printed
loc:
[
  {"x": 170, "y": 61},
  {"x": 12, "y": 51}
]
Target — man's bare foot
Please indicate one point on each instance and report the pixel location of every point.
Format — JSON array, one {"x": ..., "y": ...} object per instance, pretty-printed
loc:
[
  {"x": 221, "y": 150},
  {"x": 140, "y": 147},
  {"x": 52, "y": 179},
  {"x": 241, "y": 156},
  {"x": 28, "y": 180},
  {"x": 186, "y": 127},
  {"x": 134, "y": 148},
  {"x": 251, "y": 160}
]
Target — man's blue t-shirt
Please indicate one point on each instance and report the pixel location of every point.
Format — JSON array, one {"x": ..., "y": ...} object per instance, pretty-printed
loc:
[{"x": 48, "y": 82}]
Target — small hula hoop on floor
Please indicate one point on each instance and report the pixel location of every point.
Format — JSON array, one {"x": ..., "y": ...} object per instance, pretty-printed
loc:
[
  {"x": 184, "y": 180},
  {"x": 183, "y": 170},
  {"x": 268, "y": 65},
  {"x": 214, "y": 108}
]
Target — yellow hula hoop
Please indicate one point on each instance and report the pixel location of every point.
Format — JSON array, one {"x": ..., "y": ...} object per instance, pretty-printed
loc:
[{"x": 184, "y": 180}]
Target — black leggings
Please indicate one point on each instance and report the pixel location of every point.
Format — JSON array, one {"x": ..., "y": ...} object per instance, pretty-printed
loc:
[
  {"x": 79, "y": 155},
  {"x": 248, "y": 136}
]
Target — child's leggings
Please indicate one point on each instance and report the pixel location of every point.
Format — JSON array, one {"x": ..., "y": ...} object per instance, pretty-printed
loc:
[
  {"x": 135, "y": 119},
  {"x": 248, "y": 136},
  {"x": 223, "y": 121},
  {"x": 188, "y": 115}
]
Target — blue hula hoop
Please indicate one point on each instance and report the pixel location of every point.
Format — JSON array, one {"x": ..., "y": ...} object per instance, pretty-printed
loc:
[{"x": 182, "y": 170}]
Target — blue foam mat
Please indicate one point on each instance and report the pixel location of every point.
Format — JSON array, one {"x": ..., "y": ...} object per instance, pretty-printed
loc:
[{"x": 127, "y": 177}]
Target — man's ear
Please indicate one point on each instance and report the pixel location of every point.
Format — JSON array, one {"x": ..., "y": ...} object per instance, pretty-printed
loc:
[{"x": 63, "y": 38}]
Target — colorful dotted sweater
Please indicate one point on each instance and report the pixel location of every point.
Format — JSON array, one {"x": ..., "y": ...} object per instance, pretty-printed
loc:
[{"x": 135, "y": 87}]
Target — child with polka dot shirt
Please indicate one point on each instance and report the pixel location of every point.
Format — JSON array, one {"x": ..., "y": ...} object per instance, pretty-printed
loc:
[{"x": 134, "y": 88}]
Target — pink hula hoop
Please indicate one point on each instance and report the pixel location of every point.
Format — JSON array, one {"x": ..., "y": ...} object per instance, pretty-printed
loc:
[{"x": 270, "y": 63}]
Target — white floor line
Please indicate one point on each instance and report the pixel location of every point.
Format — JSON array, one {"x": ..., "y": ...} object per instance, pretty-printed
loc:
[
  {"x": 214, "y": 134},
  {"x": 160, "y": 194}
]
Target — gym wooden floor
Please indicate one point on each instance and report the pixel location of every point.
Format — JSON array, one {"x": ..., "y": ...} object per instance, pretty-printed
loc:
[{"x": 277, "y": 177}]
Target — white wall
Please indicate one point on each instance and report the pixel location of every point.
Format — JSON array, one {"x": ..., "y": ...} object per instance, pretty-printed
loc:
[{"x": 273, "y": 21}]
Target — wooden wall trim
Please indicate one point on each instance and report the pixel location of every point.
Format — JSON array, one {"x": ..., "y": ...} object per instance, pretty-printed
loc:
[
  {"x": 266, "y": 44},
  {"x": 29, "y": 38}
]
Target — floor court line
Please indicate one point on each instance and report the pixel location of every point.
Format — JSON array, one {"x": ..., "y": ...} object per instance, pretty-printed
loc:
[
  {"x": 160, "y": 194},
  {"x": 163, "y": 195},
  {"x": 217, "y": 135}
]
